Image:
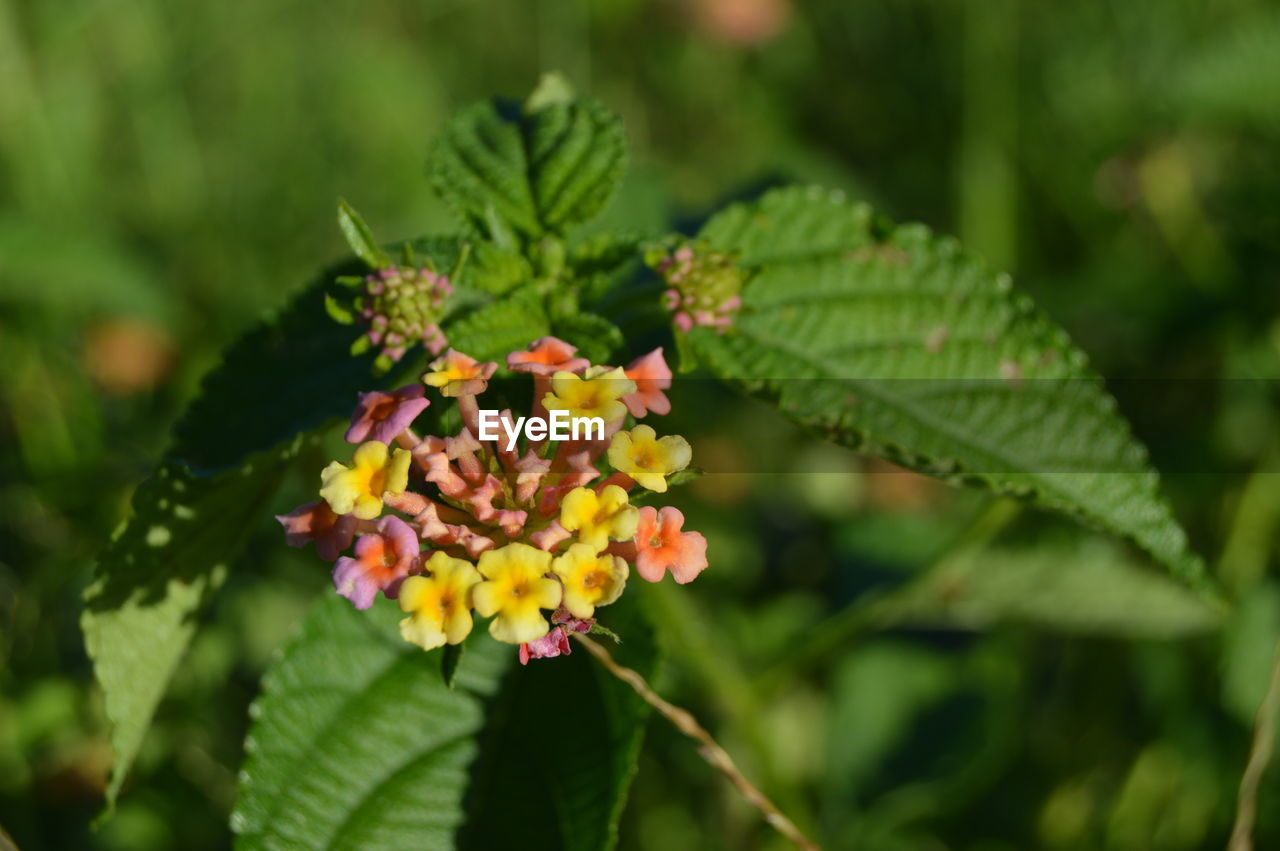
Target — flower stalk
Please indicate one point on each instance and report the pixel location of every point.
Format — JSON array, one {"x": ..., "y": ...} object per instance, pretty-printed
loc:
[{"x": 708, "y": 748}]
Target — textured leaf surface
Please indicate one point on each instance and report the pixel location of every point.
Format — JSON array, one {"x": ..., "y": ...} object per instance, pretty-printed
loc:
[
  {"x": 502, "y": 326},
  {"x": 533, "y": 172},
  {"x": 596, "y": 338},
  {"x": 358, "y": 743},
  {"x": 901, "y": 344},
  {"x": 359, "y": 237},
  {"x": 292, "y": 373},
  {"x": 140, "y": 611},
  {"x": 561, "y": 747},
  {"x": 1089, "y": 589}
]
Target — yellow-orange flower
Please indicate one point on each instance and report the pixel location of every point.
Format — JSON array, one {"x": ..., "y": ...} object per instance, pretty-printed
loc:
[
  {"x": 359, "y": 489},
  {"x": 598, "y": 517},
  {"x": 456, "y": 374},
  {"x": 596, "y": 393},
  {"x": 439, "y": 605},
  {"x": 590, "y": 579},
  {"x": 514, "y": 589},
  {"x": 648, "y": 459}
]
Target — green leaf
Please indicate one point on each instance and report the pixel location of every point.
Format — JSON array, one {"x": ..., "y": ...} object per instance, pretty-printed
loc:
[
  {"x": 501, "y": 326},
  {"x": 482, "y": 267},
  {"x": 553, "y": 90},
  {"x": 360, "y": 238},
  {"x": 290, "y": 375},
  {"x": 450, "y": 657},
  {"x": 530, "y": 172},
  {"x": 597, "y": 339},
  {"x": 904, "y": 346},
  {"x": 561, "y": 747},
  {"x": 358, "y": 743},
  {"x": 140, "y": 610},
  {"x": 1091, "y": 588}
]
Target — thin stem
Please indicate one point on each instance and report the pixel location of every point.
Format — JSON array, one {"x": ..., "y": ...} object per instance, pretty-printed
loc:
[
  {"x": 708, "y": 748},
  {"x": 1264, "y": 743}
]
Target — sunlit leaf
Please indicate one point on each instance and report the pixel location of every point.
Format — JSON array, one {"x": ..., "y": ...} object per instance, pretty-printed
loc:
[{"x": 899, "y": 343}]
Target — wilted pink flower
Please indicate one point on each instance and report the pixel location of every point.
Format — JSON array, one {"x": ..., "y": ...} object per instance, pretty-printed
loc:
[
  {"x": 556, "y": 642},
  {"x": 382, "y": 416},
  {"x": 651, "y": 375},
  {"x": 661, "y": 546},
  {"x": 383, "y": 559},
  {"x": 316, "y": 521},
  {"x": 547, "y": 355}
]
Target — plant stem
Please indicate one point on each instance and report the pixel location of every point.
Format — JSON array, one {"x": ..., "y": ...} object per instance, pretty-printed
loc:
[
  {"x": 1264, "y": 742},
  {"x": 709, "y": 749}
]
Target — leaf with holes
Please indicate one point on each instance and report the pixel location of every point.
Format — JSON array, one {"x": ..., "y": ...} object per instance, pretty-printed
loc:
[{"x": 901, "y": 344}]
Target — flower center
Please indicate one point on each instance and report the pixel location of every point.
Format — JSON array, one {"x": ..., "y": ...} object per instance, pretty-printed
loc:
[{"x": 382, "y": 410}]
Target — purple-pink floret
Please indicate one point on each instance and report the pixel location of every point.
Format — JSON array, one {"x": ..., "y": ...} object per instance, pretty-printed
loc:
[
  {"x": 383, "y": 416},
  {"x": 315, "y": 521},
  {"x": 383, "y": 559}
]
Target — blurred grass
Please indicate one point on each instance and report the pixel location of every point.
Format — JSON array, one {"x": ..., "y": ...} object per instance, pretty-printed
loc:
[{"x": 168, "y": 172}]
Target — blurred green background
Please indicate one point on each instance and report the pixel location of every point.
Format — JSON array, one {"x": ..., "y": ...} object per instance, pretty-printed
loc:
[{"x": 168, "y": 171}]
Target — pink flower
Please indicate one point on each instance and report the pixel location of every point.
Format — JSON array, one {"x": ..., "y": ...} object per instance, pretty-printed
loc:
[
  {"x": 383, "y": 560},
  {"x": 556, "y": 642},
  {"x": 316, "y": 521},
  {"x": 661, "y": 546},
  {"x": 547, "y": 355},
  {"x": 382, "y": 416},
  {"x": 651, "y": 375}
]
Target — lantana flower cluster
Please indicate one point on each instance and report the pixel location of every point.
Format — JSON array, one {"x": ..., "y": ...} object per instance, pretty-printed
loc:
[{"x": 535, "y": 537}]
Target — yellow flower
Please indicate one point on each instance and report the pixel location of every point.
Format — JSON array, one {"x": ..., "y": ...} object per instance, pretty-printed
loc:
[
  {"x": 438, "y": 605},
  {"x": 456, "y": 374},
  {"x": 596, "y": 393},
  {"x": 589, "y": 579},
  {"x": 598, "y": 517},
  {"x": 649, "y": 460},
  {"x": 515, "y": 588},
  {"x": 358, "y": 489}
]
